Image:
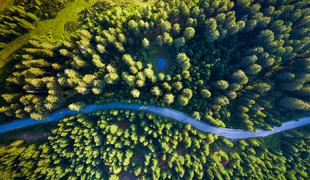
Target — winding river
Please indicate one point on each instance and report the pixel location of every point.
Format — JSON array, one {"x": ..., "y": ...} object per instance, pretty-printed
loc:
[{"x": 166, "y": 112}]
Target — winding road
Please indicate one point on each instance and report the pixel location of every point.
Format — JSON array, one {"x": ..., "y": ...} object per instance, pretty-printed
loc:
[{"x": 166, "y": 112}]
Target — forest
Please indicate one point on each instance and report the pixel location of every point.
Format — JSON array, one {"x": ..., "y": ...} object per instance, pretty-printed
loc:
[
  {"x": 22, "y": 17},
  {"x": 237, "y": 64}
]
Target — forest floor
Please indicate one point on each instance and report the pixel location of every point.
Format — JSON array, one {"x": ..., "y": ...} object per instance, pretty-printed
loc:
[
  {"x": 33, "y": 134},
  {"x": 273, "y": 141}
]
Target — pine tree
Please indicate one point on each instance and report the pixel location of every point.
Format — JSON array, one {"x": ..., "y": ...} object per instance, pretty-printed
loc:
[{"x": 189, "y": 33}]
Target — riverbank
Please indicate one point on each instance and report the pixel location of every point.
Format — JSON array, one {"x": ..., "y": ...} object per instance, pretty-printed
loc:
[
  {"x": 165, "y": 112},
  {"x": 31, "y": 135}
]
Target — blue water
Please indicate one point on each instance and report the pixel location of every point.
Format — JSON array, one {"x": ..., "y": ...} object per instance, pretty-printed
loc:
[
  {"x": 161, "y": 63},
  {"x": 166, "y": 112}
]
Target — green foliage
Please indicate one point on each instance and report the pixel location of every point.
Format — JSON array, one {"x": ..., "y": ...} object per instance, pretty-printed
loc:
[
  {"x": 184, "y": 61},
  {"x": 145, "y": 42},
  {"x": 76, "y": 106},
  {"x": 209, "y": 54},
  {"x": 118, "y": 143},
  {"x": 205, "y": 93},
  {"x": 71, "y": 26},
  {"x": 189, "y": 33},
  {"x": 232, "y": 64},
  {"x": 294, "y": 104},
  {"x": 24, "y": 15},
  {"x": 135, "y": 93},
  {"x": 169, "y": 98}
]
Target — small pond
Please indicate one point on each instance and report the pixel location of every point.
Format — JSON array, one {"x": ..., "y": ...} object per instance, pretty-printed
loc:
[{"x": 161, "y": 63}]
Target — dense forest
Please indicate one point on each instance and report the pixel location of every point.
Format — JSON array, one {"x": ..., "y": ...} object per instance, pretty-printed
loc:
[
  {"x": 127, "y": 145},
  {"x": 238, "y": 64},
  {"x": 215, "y": 69}
]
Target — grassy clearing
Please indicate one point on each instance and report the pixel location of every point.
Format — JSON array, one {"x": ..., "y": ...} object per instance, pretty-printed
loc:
[
  {"x": 52, "y": 28},
  {"x": 5, "y": 4}
]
